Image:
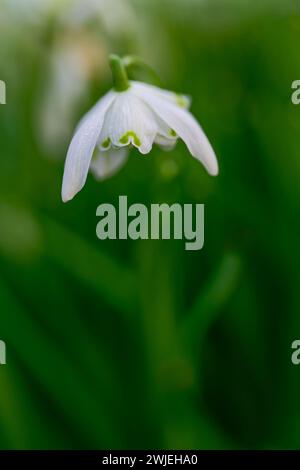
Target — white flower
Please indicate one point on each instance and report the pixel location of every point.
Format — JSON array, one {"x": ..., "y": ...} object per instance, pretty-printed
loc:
[
  {"x": 116, "y": 16},
  {"x": 140, "y": 116},
  {"x": 33, "y": 11},
  {"x": 74, "y": 60},
  {"x": 82, "y": 34}
]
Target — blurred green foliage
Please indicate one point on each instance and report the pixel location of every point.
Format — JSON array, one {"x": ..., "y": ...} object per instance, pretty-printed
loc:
[{"x": 123, "y": 344}]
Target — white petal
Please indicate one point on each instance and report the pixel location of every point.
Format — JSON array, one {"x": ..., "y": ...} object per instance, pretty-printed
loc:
[
  {"x": 184, "y": 124},
  {"x": 106, "y": 164},
  {"x": 164, "y": 142},
  {"x": 166, "y": 137},
  {"x": 164, "y": 130},
  {"x": 183, "y": 101},
  {"x": 129, "y": 121},
  {"x": 82, "y": 147}
]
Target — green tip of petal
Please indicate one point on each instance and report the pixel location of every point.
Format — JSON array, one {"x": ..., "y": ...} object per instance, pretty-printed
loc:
[
  {"x": 182, "y": 101},
  {"x": 106, "y": 143},
  {"x": 126, "y": 137}
]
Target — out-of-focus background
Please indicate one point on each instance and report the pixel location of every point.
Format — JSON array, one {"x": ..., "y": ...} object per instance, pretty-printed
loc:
[{"x": 127, "y": 344}]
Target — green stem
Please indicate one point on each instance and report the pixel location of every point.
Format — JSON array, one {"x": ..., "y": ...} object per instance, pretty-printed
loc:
[
  {"x": 133, "y": 62},
  {"x": 120, "y": 78}
]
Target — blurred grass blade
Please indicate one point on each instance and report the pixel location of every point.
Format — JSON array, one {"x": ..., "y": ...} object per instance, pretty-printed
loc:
[
  {"x": 84, "y": 337},
  {"x": 211, "y": 299},
  {"x": 114, "y": 282},
  {"x": 18, "y": 409},
  {"x": 58, "y": 376}
]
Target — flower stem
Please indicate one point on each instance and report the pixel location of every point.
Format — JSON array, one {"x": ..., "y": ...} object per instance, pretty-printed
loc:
[
  {"x": 133, "y": 62},
  {"x": 120, "y": 78}
]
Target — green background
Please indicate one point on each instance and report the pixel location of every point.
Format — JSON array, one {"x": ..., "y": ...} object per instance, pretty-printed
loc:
[{"x": 141, "y": 344}]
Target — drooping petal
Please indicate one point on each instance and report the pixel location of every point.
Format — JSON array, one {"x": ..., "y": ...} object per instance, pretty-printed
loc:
[
  {"x": 184, "y": 124},
  {"x": 166, "y": 137},
  {"x": 129, "y": 121},
  {"x": 183, "y": 101},
  {"x": 164, "y": 130},
  {"x": 165, "y": 143},
  {"x": 106, "y": 164},
  {"x": 82, "y": 147}
]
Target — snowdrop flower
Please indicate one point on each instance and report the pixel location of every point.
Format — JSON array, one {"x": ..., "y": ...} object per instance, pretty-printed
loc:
[
  {"x": 116, "y": 16},
  {"x": 132, "y": 113},
  {"x": 33, "y": 11},
  {"x": 81, "y": 36},
  {"x": 74, "y": 61}
]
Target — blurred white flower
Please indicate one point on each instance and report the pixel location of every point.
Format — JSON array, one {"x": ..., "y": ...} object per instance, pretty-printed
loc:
[
  {"x": 77, "y": 55},
  {"x": 116, "y": 16},
  {"x": 72, "y": 64},
  {"x": 33, "y": 11},
  {"x": 140, "y": 116}
]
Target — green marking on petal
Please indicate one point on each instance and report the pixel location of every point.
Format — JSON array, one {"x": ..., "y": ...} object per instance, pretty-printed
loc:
[
  {"x": 181, "y": 101},
  {"x": 106, "y": 143},
  {"x": 125, "y": 138},
  {"x": 172, "y": 133}
]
